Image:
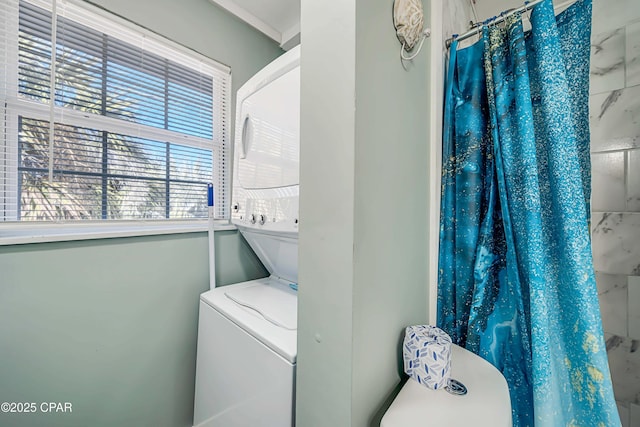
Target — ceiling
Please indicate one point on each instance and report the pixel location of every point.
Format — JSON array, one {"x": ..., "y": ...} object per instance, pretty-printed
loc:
[{"x": 278, "y": 19}]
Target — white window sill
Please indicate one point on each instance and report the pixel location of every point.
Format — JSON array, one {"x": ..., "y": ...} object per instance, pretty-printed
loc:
[{"x": 16, "y": 233}]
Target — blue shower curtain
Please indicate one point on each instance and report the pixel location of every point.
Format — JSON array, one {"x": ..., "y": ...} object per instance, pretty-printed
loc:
[{"x": 516, "y": 281}]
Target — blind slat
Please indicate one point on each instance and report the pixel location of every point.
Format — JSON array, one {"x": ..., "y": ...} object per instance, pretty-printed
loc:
[{"x": 99, "y": 174}]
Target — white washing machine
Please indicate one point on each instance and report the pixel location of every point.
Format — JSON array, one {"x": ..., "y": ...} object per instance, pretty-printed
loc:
[
  {"x": 246, "y": 355},
  {"x": 247, "y": 338}
]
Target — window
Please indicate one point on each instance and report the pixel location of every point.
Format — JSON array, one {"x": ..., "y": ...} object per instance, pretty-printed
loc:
[{"x": 114, "y": 123}]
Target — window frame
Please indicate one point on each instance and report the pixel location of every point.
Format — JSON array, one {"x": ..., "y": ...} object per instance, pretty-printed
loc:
[{"x": 103, "y": 21}]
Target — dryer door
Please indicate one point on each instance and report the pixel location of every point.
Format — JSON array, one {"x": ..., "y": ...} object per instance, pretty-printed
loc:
[{"x": 269, "y": 147}]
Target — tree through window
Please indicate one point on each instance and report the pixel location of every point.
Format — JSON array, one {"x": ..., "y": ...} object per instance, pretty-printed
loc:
[{"x": 137, "y": 134}]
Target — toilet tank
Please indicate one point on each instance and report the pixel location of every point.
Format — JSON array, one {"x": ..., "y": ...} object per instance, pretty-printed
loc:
[{"x": 486, "y": 404}]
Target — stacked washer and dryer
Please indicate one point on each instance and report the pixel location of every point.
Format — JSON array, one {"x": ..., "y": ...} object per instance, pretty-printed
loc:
[
  {"x": 247, "y": 338},
  {"x": 246, "y": 360}
]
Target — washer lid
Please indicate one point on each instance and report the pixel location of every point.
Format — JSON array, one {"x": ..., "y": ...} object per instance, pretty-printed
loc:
[
  {"x": 274, "y": 305},
  {"x": 265, "y": 308}
]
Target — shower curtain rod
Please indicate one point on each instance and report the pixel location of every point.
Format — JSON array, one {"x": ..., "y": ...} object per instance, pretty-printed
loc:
[{"x": 497, "y": 19}]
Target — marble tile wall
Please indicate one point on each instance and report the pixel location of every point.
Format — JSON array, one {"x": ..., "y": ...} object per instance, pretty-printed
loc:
[
  {"x": 456, "y": 17},
  {"x": 615, "y": 204}
]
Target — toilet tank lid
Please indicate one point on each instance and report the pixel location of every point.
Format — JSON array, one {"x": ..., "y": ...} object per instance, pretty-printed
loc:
[{"x": 487, "y": 402}]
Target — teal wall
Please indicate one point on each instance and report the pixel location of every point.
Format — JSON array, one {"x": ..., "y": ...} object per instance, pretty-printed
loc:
[
  {"x": 111, "y": 325},
  {"x": 364, "y": 233},
  {"x": 108, "y": 325},
  {"x": 391, "y": 231}
]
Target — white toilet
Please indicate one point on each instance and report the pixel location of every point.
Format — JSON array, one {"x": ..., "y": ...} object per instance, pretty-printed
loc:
[
  {"x": 485, "y": 404},
  {"x": 247, "y": 338}
]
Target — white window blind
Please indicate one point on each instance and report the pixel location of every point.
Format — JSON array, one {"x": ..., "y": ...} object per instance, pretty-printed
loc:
[{"x": 114, "y": 123}]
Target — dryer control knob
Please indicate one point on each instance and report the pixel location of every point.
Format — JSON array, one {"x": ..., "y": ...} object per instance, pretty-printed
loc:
[
  {"x": 263, "y": 219},
  {"x": 252, "y": 219}
]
